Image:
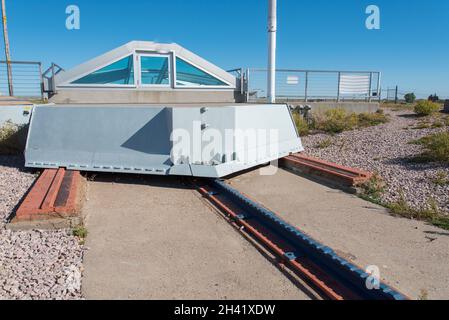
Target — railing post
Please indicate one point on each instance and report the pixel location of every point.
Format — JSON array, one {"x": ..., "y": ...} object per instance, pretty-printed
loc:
[
  {"x": 242, "y": 81},
  {"x": 339, "y": 83},
  {"x": 53, "y": 86},
  {"x": 247, "y": 84},
  {"x": 370, "y": 91},
  {"x": 306, "y": 87},
  {"x": 379, "y": 89},
  {"x": 42, "y": 81},
  {"x": 396, "y": 98}
]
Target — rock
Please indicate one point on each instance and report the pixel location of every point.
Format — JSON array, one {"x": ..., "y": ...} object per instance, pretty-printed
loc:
[{"x": 33, "y": 263}]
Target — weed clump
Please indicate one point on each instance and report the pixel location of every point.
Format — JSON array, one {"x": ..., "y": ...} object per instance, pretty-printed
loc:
[
  {"x": 436, "y": 147},
  {"x": 372, "y": 119},
  {"x": 324, "y": 144},
  {"x": 426, "y": 108},
  {"x": 301, "y": 124},
  {"x": 80, "y": 232},
  {"x": 373, "y": 189},
  {"x": 441, "y": 179},
  {"x": 338, "y": 120}
]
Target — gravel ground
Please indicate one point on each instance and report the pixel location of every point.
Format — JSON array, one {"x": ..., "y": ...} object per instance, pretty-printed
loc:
[
  {"x": 34, "y": 264},
  {"x": 384, "y": 149}
]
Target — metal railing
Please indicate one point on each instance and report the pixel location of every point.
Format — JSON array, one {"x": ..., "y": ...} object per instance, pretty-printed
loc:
[
  {"x": 240, "y": 76},
  {"x": 49, "y": 86},
  {"x": 27, "y": 80},
  {"x": 314, "y": 85}
]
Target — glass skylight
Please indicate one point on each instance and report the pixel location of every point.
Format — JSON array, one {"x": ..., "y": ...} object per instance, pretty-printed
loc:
[
  {"x": 117, "y": 73},
  {"x": 155, "y": 70},
  {"x": 189, "y": 75}
]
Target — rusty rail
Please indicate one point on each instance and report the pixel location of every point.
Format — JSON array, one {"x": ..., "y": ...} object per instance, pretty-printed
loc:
[{"x": 331, "y": 276}]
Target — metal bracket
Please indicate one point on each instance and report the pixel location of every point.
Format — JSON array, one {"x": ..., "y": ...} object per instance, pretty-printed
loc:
[{"x": 291, "y": 256}]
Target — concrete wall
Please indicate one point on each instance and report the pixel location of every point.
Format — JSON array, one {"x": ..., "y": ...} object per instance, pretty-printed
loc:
[
  {"x": 68, "y": 96},
  {"x": 357, "y": 107},
  {"x": 16, "y": 114}
]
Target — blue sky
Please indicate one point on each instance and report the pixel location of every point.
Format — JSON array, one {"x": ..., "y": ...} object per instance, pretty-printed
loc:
[{"x": 411, "y": 49}]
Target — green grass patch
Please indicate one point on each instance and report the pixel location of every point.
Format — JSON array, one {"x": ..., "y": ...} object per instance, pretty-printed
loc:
[
  {"x": 441, "y": 179},
  {"x": 430, "y": 212},
  {"x": 436, "y": 148},
  {"x": 326, "y": 143},
  {"x": 373, "y": 189},
  {"x": 441, "y": 222},
  {"x": 80, "y": 232}
]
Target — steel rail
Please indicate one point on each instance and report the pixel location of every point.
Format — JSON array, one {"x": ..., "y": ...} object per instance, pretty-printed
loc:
[
  {"x": 333, "y": 277},
  {"x": 329, "y": 292}
]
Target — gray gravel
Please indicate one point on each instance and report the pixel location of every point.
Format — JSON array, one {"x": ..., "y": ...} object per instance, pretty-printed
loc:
[
  {"x": 34, "y": 264},
  {"x": 384, "y": 150}
]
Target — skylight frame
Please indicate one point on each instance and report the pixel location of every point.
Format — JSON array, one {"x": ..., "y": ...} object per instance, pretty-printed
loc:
[
  {"x": 176, "y": 86},
  {"x": 70, "y": 83}
]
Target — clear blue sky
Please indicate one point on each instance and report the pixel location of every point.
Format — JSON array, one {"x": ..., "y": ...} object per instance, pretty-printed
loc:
[{"x": 411, "y": 49}]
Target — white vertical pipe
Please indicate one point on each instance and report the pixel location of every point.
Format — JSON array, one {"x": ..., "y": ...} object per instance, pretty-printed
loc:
[{"x": 272, "y": 29}]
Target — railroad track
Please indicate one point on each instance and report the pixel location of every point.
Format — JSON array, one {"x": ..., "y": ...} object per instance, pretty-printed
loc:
[{"x": 329, "y": 275}]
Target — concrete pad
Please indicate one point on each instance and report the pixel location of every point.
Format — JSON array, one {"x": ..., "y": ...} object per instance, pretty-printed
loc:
[
  {"x": 152, "y": 238},
  {"x": 412, "y": 256}
]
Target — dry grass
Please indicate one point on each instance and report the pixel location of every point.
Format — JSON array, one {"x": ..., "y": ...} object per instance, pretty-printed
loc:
[
  {"x": 429, "y": 212},
  {"x": 338, "y": 120},
  {"x": 426, "y": 108},
  {"x": 301, "y": 124},
  {"x": 436, "y": 148},
  {"x": 326, "y": 143},
  {"x": 12, "y": 138}
]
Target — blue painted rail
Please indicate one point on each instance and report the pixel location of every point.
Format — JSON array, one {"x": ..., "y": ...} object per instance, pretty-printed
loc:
[{"x": 324, "y": 257}]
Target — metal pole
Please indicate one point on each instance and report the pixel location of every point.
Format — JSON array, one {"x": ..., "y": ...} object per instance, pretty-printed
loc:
[
  {"x": 272, "y": 29},
  {"x": 379, "y": 89},
  {"x": 247, "y": 85},
  {"x": 339, "y": 83},
  {"x": 306, "y": 88},
  {"x": 370, "y": 92},
  {"x": 42, "y": 81},
  {"x": 396, "y": 96},
  {"x": 7, "y": 54}
]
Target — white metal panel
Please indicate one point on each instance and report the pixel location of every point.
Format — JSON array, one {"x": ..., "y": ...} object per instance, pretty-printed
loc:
[{"x": 354, "y": 84}]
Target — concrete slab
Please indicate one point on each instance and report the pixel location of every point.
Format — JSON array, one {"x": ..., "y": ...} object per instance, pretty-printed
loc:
[
  {"x": 152, "y": 238},
  {"x": 412, "y": 255}
]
